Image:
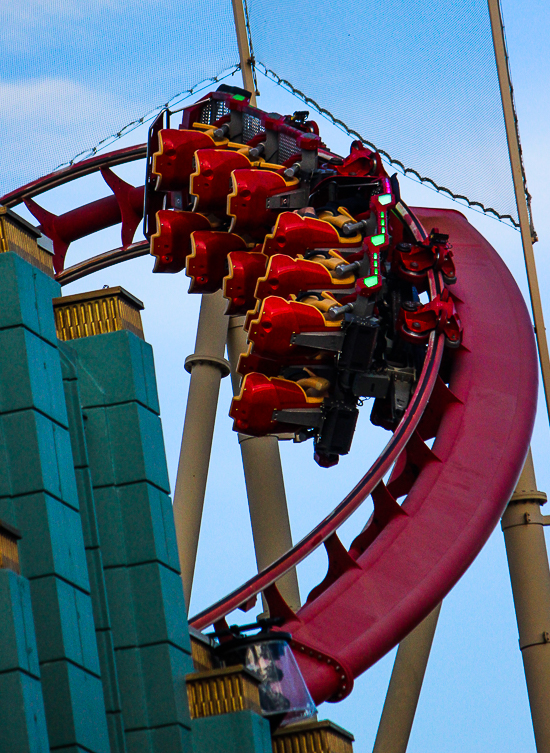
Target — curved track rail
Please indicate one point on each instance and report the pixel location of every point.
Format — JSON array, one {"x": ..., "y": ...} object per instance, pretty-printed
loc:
[{"x": 410, "y": 555}]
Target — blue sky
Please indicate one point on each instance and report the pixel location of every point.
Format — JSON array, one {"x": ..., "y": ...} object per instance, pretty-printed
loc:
[{"x": 474, "y": 695}]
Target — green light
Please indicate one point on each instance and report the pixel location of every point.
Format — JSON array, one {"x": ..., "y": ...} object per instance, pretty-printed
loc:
[
  {"x": 382, "y": 215},
  {"x": 375, "y": 256},
  {"x": 385, "y": 198},
  {"x": 239, "y": 97},
  {"x": 378, "y": 240},
  {"x": 371, "y": 281}
]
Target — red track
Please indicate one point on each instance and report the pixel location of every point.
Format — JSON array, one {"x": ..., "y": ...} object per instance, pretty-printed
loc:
[
  {"x": 408, "y": 558},
  {"x": 458, "y": 497}
]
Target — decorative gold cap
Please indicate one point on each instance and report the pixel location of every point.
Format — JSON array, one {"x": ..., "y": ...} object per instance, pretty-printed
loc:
[
  {"x": 25, "y": 240},
  {"x": 222, "y": 691},
  {"x": 97, "y": 313},
  {"x": 312, "y": 737},
  {"x": 9, "y": 553}
]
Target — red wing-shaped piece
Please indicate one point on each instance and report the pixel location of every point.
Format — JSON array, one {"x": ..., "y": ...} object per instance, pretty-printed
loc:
[
  {"x": 294, "y": 234},
  {"x": 172, "y": 242},
  {"x": 206, "y": 264},
  {"x": 240, "y": 283},
  {"x": 247, "y": 203},
  {"x": 211, "y": 181},
  {"x": 286, "y": 276},
  {"x": 260, "y": 396},
  {"x": 173, "y": 163},
  {"x": 279, "y": 320}
]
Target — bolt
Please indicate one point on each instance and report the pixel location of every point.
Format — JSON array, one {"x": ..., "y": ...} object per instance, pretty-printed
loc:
[{"x": 416, "y": 325}]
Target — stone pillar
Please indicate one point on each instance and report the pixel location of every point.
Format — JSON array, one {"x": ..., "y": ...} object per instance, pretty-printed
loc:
[
  {"x": 22, "y": 716},
  {"x": 136, "y": 532},
  {"x": 38, "y": 495}
]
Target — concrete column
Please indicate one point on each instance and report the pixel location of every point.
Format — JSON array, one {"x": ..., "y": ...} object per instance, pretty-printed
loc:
[
  {"x": 38, "y": 495},
  {"x": 207, "y": 367},
  {"x": 265, "y": 486},
  {"x": 522, "y": 524},
  {"x": 405, "y": 686},
  {"x": 135, "y": 530}
]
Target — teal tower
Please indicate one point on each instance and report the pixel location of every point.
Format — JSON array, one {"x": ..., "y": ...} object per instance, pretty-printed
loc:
[{"x": 95, "y": 650}]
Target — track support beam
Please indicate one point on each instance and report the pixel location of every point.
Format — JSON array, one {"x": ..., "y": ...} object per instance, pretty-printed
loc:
[
  {"x": 246, "y": 60},
  {"x": 207, "y": 366},
  {"x": 405, "y": 685},
  {"x": 265, "y": 485},
  {"x": 522, "y": 524},
  {"x": 528, "y": 235}
]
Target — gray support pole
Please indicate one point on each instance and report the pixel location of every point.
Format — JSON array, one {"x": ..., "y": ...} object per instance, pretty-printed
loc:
[
  {"x": 522, "y": 524},
  {"x": 265, "y": 485},
  {"x": 405, "y": 685},
  {"x": 207, "y": 366},
  {"x": 527, "y": 232}
]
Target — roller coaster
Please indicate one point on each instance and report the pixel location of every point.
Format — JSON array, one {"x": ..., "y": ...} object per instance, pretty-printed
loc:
[{"x": 348, "y": 294}]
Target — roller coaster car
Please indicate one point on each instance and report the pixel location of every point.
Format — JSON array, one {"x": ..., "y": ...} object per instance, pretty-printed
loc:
[
  {"x": 255, "y": 410},
  {"x": 411, "y": 261},
  {"x": 245, "y": 267},
  {"x": 171, "y": 244},
  {"x": 206, "y": 265},
  {"x": 281, "y": 326},
  {"x": 210, "y": 181},
  {"x": 173, "y": 162},
  {"x": 247, "y": 202},
  {"x": 286, "y": 276},
  {"x": 294, "y": 235}
]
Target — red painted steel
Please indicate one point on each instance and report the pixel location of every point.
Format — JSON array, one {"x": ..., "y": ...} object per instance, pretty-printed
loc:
[
  {"x": 404, "y": 564},
  {"x": 455, "y": 502},
  {"x": 73, "y": 172}
]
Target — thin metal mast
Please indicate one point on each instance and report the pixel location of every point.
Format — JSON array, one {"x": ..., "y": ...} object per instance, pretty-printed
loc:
[
  {"x": 244, "y": 49},
  {"x": 528, "y": 235}
]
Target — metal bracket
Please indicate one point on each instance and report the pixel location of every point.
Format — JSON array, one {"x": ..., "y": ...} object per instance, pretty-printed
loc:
[
  {"x": 299, "y": 417},
  {"x": 291, "y": 200},
  {"x": 219, "y": 363},
  {"x": 516, "y": 516},
  {"x": 319, "y": 340},
  {"x": 543, "y": 637}
]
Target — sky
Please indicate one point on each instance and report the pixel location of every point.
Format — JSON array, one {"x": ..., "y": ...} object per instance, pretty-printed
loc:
[{"x": 474, "y": 695}]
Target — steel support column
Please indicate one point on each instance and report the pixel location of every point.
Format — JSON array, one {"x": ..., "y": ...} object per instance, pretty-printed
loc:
[
  {"x": 265, "y": 486},
  {"x": 207, "y": 366},
  {"x": 528, "y": 235},
  {"x": 405, "y": 685},
  {"x": 522, "y": 524},
  {"x": 245, "y": 57}
]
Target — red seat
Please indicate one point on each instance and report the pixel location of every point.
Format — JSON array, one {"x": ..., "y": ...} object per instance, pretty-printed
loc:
[
  {"x": 173, "y": 163},
  {"x": 294, "y": 235},
  {"x": 211, "y": 181},
  {"x": 172, "y": 242},
  {"x": 252, "y": 410},
  {"x": 286, "y": 276},
  {"x": 278, "y": 320},
  {"x": 247, "y": 203},
  {"x": 239, "y": 284},
  {"x": 206, "y": 264}
]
